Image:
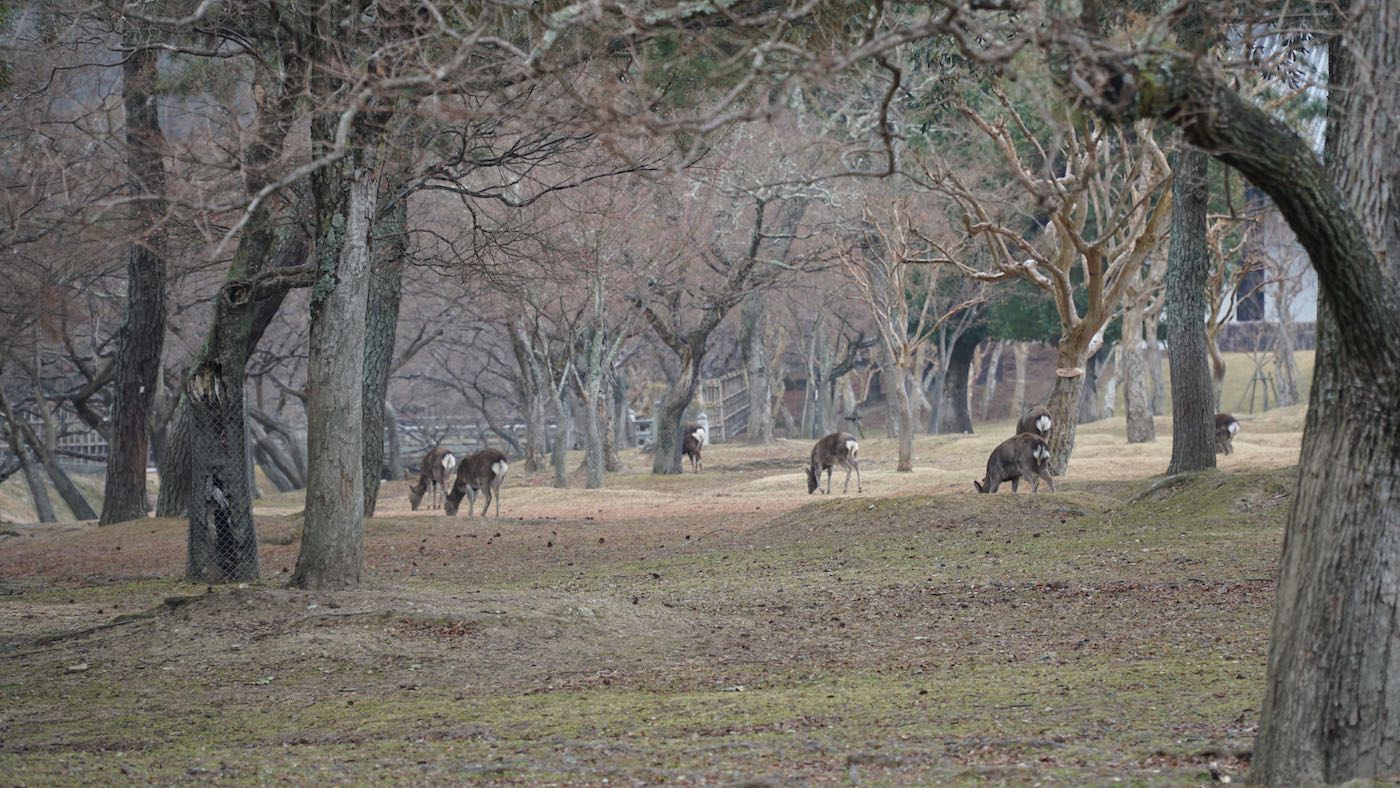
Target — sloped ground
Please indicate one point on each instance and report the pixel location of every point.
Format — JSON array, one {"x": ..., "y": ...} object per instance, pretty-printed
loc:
[{"x": 706, "y": 629}]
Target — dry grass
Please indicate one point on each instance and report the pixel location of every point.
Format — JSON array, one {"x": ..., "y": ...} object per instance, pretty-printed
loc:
[{"x": 701, "y": 629}]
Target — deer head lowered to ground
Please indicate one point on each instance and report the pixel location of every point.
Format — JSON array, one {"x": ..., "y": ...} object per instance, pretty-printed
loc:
[
  {"x": 838, "y": 448},
  {"x": 435, "y": 472},
  {"x": 484, "y": 470},
  {"x": 1026, "y": 456},
  {"x": 1225, "y": 428}
]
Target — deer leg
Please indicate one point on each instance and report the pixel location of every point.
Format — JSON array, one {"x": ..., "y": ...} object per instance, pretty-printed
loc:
[
  {"x": 1015, "y": 483},
  {"x": 845, "y": 488},
  {"x": 471, "y": 501},
  {"x": 496, "y": 484},
  {"x": 486, "y": 502},
  {"x": 1048, "y": 479}
]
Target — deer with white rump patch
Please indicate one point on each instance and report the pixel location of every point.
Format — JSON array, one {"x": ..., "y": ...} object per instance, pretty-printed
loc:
[
  {"x": 838, "y": 448},
  {"x": 485, "y": 470},
  {"x": 435, "y": 472},
  {"x": 1026, "y": 456},
  {"x": 1036, "y": 421},
  {"x": 692, "y": 444},
  {"x": 1225, "y": 428}
]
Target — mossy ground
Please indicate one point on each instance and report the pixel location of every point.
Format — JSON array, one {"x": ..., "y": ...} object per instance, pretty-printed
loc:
[{"x": 709, "y": 629}]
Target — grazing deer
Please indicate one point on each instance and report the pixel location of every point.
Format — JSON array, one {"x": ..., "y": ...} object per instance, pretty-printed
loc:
[
  {"x": 838, "y": 448},
  {"x": 437, "y": 468},
  {"x": 1026, "y": 456},
  {"x": 692, "y": 444},
  {"x": 1036, "y": 421},
  {"x": 484, "y": 470},
  {"x": 1225, "y": 428}
]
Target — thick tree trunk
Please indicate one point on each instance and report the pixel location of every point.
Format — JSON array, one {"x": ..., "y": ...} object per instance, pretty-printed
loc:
[
  {"x": 332, "y": 545},
  {"x": 143, "y": 330},
  {"x": 989, "y": 388},
  {"x": 173, "y": 499},
  {"x": 1330, "y": 705},
  {"x": 1333, "y": 683},
  {"x": 669, "y": 423},
  {"x": 894, "y": 408},
  {"x": 1089, "y": 407},
  {"x": 898, "y": 391},
  {"x": 1194, "y": 392},
  {"x": 955, "y": 415},
  {"x": 594, "y": 459},
  {"x": 939, "y": 403},
  {"x": 394, "y": 462},
  {"x": 563, "y": 427},
  {"x": 388, "y": 245},
  {"x": 1063, "y": 405},
  {"x": 614, "y": 410},
  {"x": 1020, "y": 353},
  {"x": 1137, "y": 401},
  {"x": 753, "y": 321},
  {"x": 532, "y": 386},
  {"x": 1152, "y": 353}
]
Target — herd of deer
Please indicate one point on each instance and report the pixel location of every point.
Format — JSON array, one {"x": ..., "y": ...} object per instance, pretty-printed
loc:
[
  {"x": 1026, "y": 455},
  {"x": 484, "y": 470}
]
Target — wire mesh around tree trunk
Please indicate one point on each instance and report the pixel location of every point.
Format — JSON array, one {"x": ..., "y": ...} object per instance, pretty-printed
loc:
[{"x": 223, "y": 544}]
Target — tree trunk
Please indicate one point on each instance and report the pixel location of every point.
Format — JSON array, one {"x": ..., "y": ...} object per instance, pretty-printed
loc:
[
  {"x": 1194, "y": 392},
  {"x": 1089, "y": 399},
  {"x": 143, "y": 331},
  {"x": 1137, "y": 401},
  {"x": 1064, "y": 403},
  {"x": 898, "y": 392},
  {"x": 989, "y": 388},
  {"x": 891, "y": 384},
  {"x": 38, "y": 493},
  {"x": 753, "y": 319},
  {"x": 388, "y": 245},
  {"x": 275, "y": 461},
  {"x": 669, "y": 423},
  {"x": 1020, "y": 353},
  {"x": 594, "y": 460},
  {"x": 955, "y": 415},
  {"x": 1284, "y": 364},
  {"x": 1329, "y": 712},
  {"x": 333, "y": 537},
  {"x": 559, "y": 452},
  {"x": 1333, "y": 684},
  {"x": 1156, "y": 375},
  {"x": 614, "y": 430},
  {"x": 394, "y": 462},
  {"x": 173, "y": 499},
  {"x": 532, "y": 386}
]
